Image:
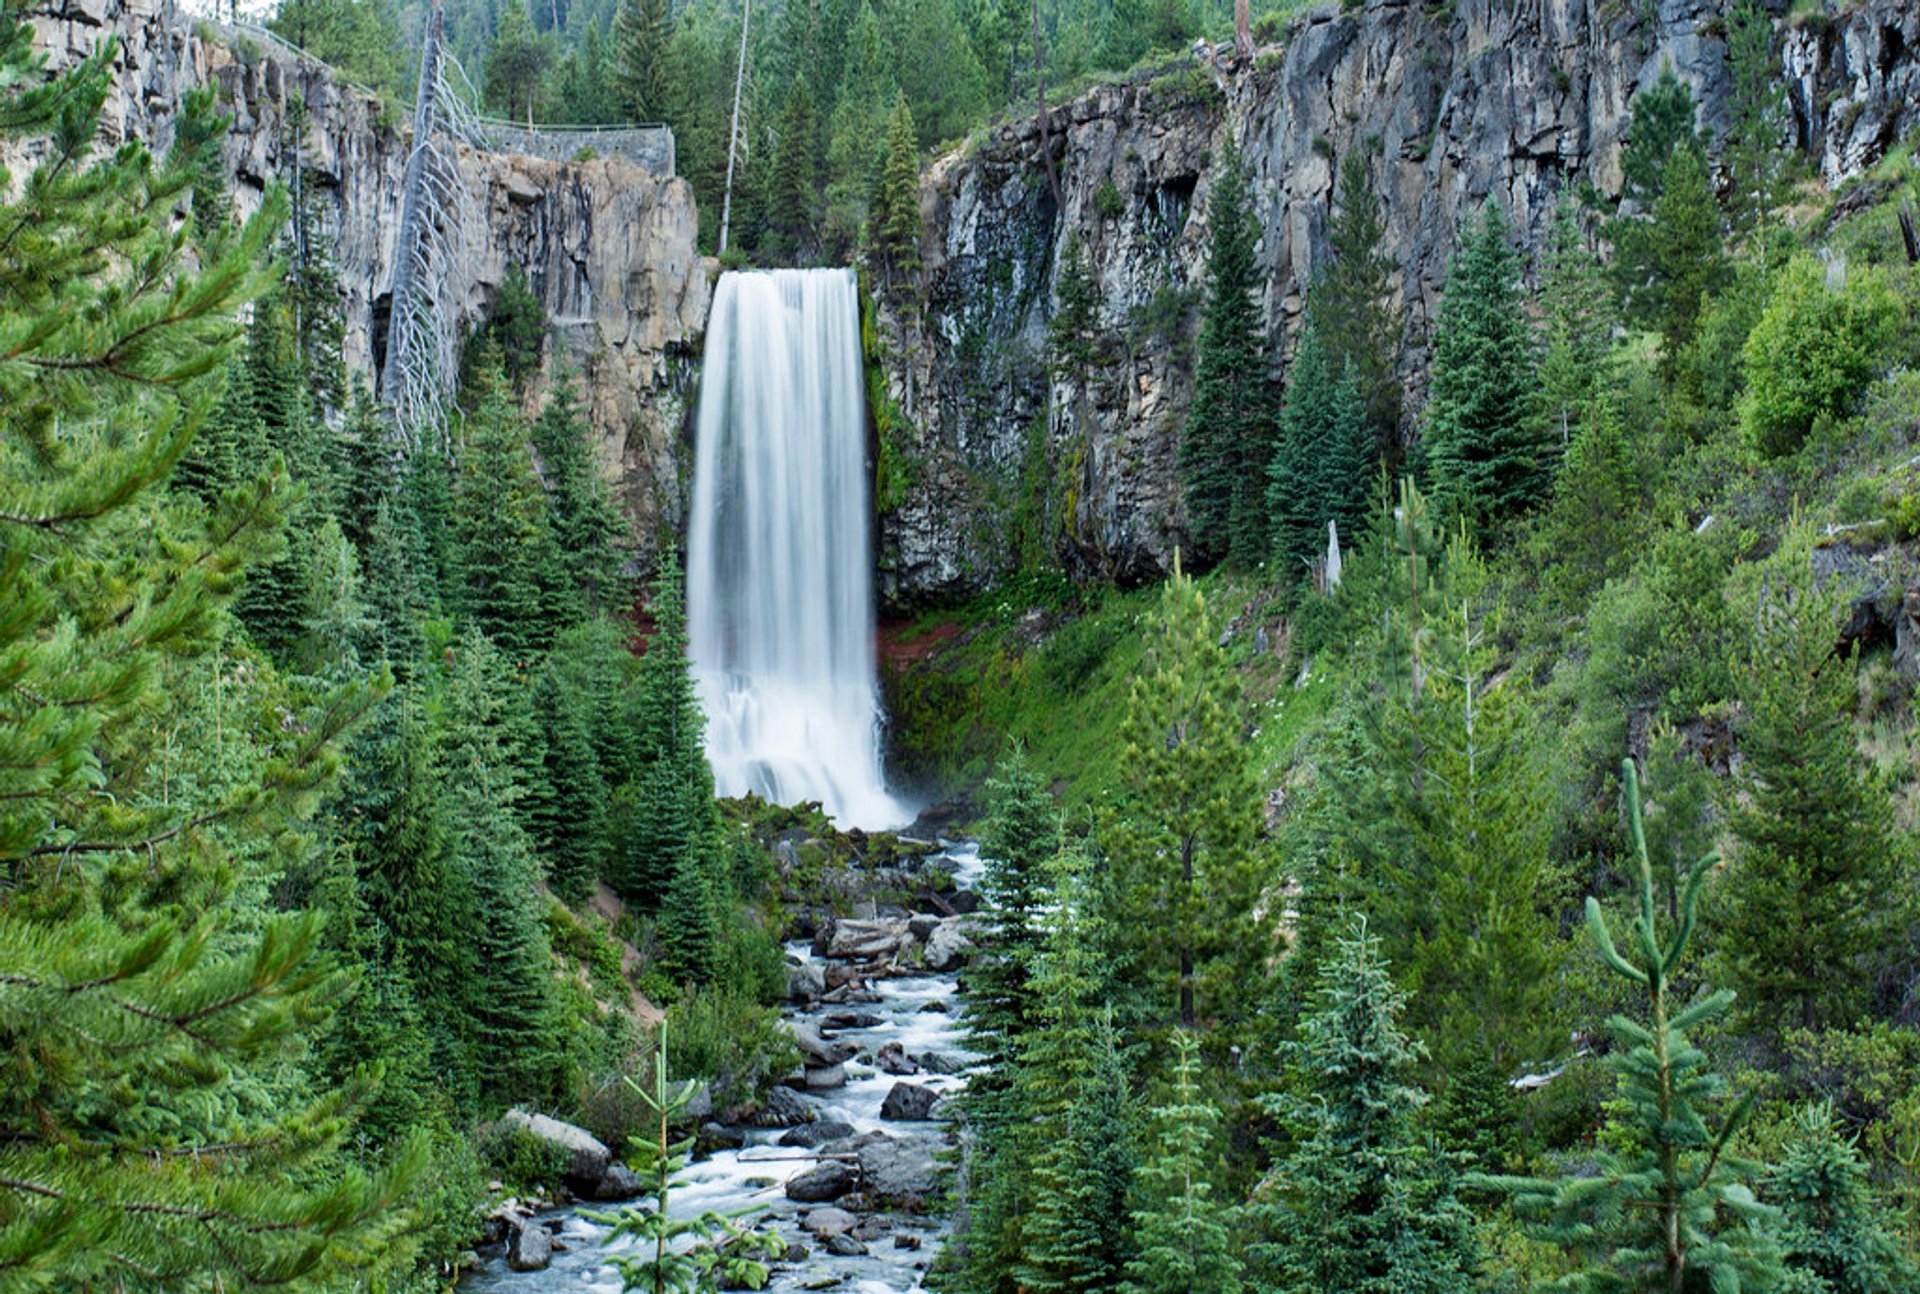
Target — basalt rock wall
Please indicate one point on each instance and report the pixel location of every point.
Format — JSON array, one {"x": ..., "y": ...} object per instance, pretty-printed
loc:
[
  {"x": 607, "y": 244},
  {"x": 1513, "y": 99}
]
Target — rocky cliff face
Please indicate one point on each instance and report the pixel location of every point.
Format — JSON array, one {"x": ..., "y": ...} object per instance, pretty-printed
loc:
[
  {"x": 1514, "y": 99},
  {"x": 608, "y": 245}
]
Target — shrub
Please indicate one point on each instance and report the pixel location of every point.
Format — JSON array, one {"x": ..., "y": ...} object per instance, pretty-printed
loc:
[
  {"x": 729, "y": 1041},
  {"x": 1107, "y": 200},
  {"x": 1814, "y": 351}
]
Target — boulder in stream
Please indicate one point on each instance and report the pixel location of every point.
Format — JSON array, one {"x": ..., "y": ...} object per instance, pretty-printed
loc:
[
  {"x": 892, "y": 1058},
  {"x": 782, "y": 1108},
  {"x": 823, "y": 1223},
  {"x": 529, "y": 1246},
  {"x": 818, "y": 1185},
  {"x": 867, "y": 940},
  {"x": 618, "y": 1183},
  {"x": 908, "y": 1102},
  {"x": 806, "y": 981},
  {"x": 816, "y": 1049},
  {"x": 897, "y": 1171},
  {"x": 811, "y": 1135},
  {"x": 821, "y": 1078},
  {"x": 948, "y": 947}
]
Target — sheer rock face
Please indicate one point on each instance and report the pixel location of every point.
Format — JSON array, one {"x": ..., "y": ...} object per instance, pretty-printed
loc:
[
  {"x": 608, "y": 246},
  {"x": 1513, "y": 100}
]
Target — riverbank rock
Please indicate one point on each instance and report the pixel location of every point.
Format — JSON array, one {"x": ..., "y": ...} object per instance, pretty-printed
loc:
[
  {"x": 811, "y": 1135},
  {"x": 819, "y": 1050},
  {"x": 824, "y": 1078},
  {"x": 893, "y": 1059},
  {"x": 908, "y": 1102},
  {"x": 948, "y": 948},
  {"x": 618, "y": 1183},
  {"x": 819, "y": 1185},
  {"x": 824, "y": 1224},
  {"x": 897, "y": 1171},
  {"x": 587, "y": 1156},
  {"x": 806, "y": 981},
  {"x": 867, "y": 940},
  {"x": 529, "y": 1246}
]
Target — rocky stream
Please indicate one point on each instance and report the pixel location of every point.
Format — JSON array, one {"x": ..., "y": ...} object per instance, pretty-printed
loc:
[{"x": 841, "y": 1161}]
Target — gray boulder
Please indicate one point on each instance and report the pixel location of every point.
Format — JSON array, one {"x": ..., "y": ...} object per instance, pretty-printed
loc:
[
  {"x": 948, "y": 947},
  {"x": 618, "y": 1183},
  {"x": 825, "y": 1223},
  {"x": 806, "y": 981},
  {"x": 783, "y": 1108},
  {"x": 897, "y": 1171},
  {"x": 529, "y": 1247},
  {"x": 845, "y": 1246},
  {"x": 816, "y": 1049},
  {"x": 923, "y": 926},
  {"x": 810, "y": 1135},
  {"x": 908, "y": 1102},
  {"x": 818, "y": 1185},
  {"x": 867, "y": 940},
  {"x": 821, "y": 1078},
  {"x": 893, "y": 1059},
  {"x": 587, "y": 1156}
]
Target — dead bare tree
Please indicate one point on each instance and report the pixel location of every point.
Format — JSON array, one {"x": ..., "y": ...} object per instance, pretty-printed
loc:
[{"x": 1043, "y": 120}]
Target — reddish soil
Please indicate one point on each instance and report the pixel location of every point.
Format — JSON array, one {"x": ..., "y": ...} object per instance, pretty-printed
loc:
[{"x": 900, "y": 645}]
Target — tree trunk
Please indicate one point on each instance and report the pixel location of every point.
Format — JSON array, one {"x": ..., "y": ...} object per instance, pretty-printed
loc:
[
  {"x": 1186, "y": 937},
  {"x": 1243, "y": 30},
  {"x": 1040, "y": 95}
]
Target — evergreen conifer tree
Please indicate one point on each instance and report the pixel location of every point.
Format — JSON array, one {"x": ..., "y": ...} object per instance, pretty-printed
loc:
[
  {"x": 1183, "y": 1234},
  {"x": 568, "y": 822},
  {"x": 1321, "y": 457},
  {"x": 516, "y": 66},
  {"x": 1488, "y": 455},
  {"x": 1360, "y": 1204},
  {"x": 642, "y": 38},
  {"x": 1663, "y": 120},
  {"x": 503, "y": 542},
  {"x": 1576, "y": 347},
  {"x": 1229, "y": 431},
  {"x": 585, "y": 521},
  {"x": 1671, "y": 1208},
  {"x": 1676, "y": 258},
  {"x": 1348, "y": 304},
  {"x": 1073, "y": 1085},
  {"x": 795, "y": 188},
  {"x": 860, "y": 117},
  {"x": 1834, "y": 1237},
  {"x": 1813, "y": 896},
  {"x": 893, "y": 225},
  {"x": 1189, "y": 814},
  {"x": 1755, "y": 156},
  {"x": 144, "y": 1006}
]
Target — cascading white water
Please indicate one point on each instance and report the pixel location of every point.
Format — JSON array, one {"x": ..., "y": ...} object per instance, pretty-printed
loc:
[{"x": 779, "y": 585}]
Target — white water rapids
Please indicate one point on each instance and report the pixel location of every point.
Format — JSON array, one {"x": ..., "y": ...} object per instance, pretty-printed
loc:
[{"x": 779, "y": 550}]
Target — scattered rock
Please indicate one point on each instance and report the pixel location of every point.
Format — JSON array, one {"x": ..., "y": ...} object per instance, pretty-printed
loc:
[
  {"x": 822, "y": 1078},
  {"x": 850, "y": 1020},
  {"x": 618, "y": 1183},
  {"x": 893, "y": 1059},
  {"x": 965, "y": 902},
  {"x": 822, "y": 1223},
  {"x": 948, "y": 947},
  {"x": 809, "y": 1135},
  {"x": 845, "y": 1246},
  {"x": 908, "y": 1102},
  {"x": 867, "y": 940},
  {"x": 897, "y": 1171},
  {"x": 935, "y": 1007},
  {"x": 817, "y": 1049},
  {"x": 818, "y": 1185},
  {"x": 923, "y": 925},
  {"x": 718, "y": 1136},
  {"x": 806, "y": 981},
  {"x": 588, "y": 1157},
  {"x": 906, "y": 1240},
  {"x": 935, "y": 1062},
  {"x": 529, "y": 1247},
  {"x": 783, "y": 1108}
]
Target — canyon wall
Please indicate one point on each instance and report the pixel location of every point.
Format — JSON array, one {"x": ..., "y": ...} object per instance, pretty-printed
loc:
[
  {"x": 607, "y": 244},
  {"x": 1510, "y": 99}
]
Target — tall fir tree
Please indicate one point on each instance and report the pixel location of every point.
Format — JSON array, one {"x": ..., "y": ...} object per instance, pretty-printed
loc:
[
  {"x": 1322, "y": 457},
  {"x": 1184, "y": 1235},
  {"x": 1074, "y": 1086},
  {"x": 795, "y": 188},
  {"x": 144, "y": 1004},
  {"x": 893, "y": 223},
  {"x": 1813, "y": 895},
  {"x": 642, "y": 44},
  {"x": 1577, "y": 356},
  {"x": 1360, "y": 1204},
  {"x": 1188, "y": 816},
  {"x": 1669, "y": 1207},
  {"x": 1488, "y": 454},
  {"x": 1229, "y": 430},
  {"x": 1670, "y": 265},
  {"x": 568, "y": 820},
  {"x": 1664, "y": 116},
  {"x": 857, "y": 145},
  {"x": 1350, "y": 302},
  {"x": 586, "y": 522}
]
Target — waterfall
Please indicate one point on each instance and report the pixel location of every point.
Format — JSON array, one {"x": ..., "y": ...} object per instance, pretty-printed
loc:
[{"x": 779, "y": 579}]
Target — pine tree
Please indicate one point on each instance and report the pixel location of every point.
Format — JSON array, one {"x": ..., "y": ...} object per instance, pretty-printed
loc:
[
  {"x": 1675, "y": 260},
  {"x": 1349, "y": 302},
  {"x": 1488, "y": 455},
  {"x": 1577, "y": 357},
  {"x": 1073, "y": 1085},
  {"x": 1073, "y": 333},
  {"x": 1812, "y": 899},
  {"x": 586, "y": 522},
  {"x": 1671, "y": 1209},
  {"x": 144, "y": 1006},
  {"x": 1663, "y": 121},
  {"x": 642, "y": 41},
  {"x": 568, "y": 821},
  {"x": 1184, "y": 1235},
  {"x": 857, "y": 147},
  {"x": 504, "y": 544},
  {"x": 1229, "y": 430},
  {"x": 1189, "y": 814},
  {"x": 510, "y": 999},
  {"x": 1834, "y": 1237},
  {"x": 795, "y": 188},
  {"x": 1756, "y": 155},
  {"x": 1360, "y": 1204},
  {"x": 669, "y": 806},
  {"x": 1321, "y": 458},
  {"x": 517, "y": 63},
  {"x": 893, "y": 226}
]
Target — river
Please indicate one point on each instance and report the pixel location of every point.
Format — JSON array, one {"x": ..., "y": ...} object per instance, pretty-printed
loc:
[{"x": 922, "y": 1014}]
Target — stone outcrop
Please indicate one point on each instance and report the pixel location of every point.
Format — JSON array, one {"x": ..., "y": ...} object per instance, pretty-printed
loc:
[
  {"x": 608, "y": 244},
  {"x": 1481, "y": 98}
]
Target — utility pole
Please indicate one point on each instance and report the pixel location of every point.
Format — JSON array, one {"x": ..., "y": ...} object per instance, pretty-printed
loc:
[{"x": 733, "y": 135}]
